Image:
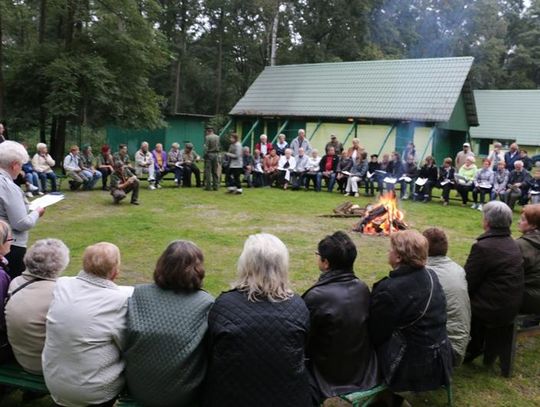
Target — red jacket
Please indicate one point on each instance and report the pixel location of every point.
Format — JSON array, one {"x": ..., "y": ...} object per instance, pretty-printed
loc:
[{"x": 269, "y": 148}]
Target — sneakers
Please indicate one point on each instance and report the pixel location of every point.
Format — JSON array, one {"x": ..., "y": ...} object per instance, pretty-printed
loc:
[
  {"x": 32, "y": 188},
  {"x": 480, "y": 207},
  {"x": 231, "y": 190},
  {"x": 29, "y": 195},
  {"x": 158, "y": 186},
  {"x": 151, "y": 187},
  {"x": 356, "y": 195},
  {"x": 474, "y": 206},
  {"x": 134, "y": 203},
  {"x": 40, "y": 193},
  {"x": 405, "y": 197},
  {"x": 445, "y": 203},
  {"x": 238, "y": 191}
]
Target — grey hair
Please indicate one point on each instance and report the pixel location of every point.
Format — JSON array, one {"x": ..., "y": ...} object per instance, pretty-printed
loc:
[
  {"x": 175, "y": 145},
  {"x": 10, "y": 152},
  {"x": 4, "y": 231},
  {"x": 145, "y": 143},
  {"x": 246, "y": 148},
  {"x": 40, "y": 146},
  {"x": 518, "y": 162},
  {"x": 47, "y": 258},
  {"x": 263, "y": 269},
  {"x": 263, "y": 136},
  {"x": 497, "y": 215}
]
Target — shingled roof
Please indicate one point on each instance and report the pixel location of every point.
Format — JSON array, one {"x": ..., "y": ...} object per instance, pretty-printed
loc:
[
  {"x": 410, "y": 89},
  {"x": 508, "y": 115}
]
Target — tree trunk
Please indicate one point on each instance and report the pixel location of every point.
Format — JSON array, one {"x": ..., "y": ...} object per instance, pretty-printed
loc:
[
  {"x": 2, "y": 92},
  {"x": 219, "y": 69},
  {"x": 177, "y": 86},
  {"x": 41, "y": 40},
  {"x": 273, "y": 49}
]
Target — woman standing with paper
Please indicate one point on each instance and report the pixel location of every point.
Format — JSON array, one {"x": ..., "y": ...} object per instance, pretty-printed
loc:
[{"x": 13, "y": 205}]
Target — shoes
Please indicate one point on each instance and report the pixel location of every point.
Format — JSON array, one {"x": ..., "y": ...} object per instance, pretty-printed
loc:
[
  {"x": 405, "y": 197},
  {"x": 151, "y": 187},
  {"x": 134, "y": 203},
  {"x": 158, "y": 186},
  {"x": 474, "y": 206},
  {"x": 356, "y": 195},
  {"x": 479, "y": 207},
  {"x": 40, "y": 193},
  {"x": 238, "y": 191},
  {"x": 231, "y": 190},
  {"x": 346, "y": 194},
  {"x": 445, "y": 203},
  {"x": 426, "y": 200},
  {"x": 32, "y": 188},
  {"x": 29, "y": 195}
]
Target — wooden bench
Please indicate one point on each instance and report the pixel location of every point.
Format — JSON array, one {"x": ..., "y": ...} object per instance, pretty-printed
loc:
[
  {"x": 13, "y": 375},
  {"x": 520, "y": 329}
]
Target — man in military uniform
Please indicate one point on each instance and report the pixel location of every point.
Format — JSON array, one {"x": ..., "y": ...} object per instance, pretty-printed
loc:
[
  {"x": 189, "y": 158},
  {"x": 88, "y": 169},
  {"x": 122, "y": 182},
  {"x": 123, "y": 156},
  {"x": 211, "y": 160}
]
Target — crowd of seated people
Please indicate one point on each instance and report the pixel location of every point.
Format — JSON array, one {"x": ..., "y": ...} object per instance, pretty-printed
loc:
[
  {"x": 510, "y": 177},
  {"x": 171, "y": 343}
]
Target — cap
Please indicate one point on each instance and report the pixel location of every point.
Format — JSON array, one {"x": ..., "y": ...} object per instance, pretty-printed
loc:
[
  {"x": 189, "y": 145},
  {"x": 466, "y": 145}
]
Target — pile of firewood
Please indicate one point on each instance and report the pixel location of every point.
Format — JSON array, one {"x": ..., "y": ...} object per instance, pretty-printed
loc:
[{"x": 349, "y": 209}]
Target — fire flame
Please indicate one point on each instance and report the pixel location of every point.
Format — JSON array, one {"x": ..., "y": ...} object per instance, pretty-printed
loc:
[{"x": 384, "y": 217}]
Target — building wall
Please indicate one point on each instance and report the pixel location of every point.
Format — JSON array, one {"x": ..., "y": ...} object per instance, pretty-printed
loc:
[{"x": 422, "y": 142}]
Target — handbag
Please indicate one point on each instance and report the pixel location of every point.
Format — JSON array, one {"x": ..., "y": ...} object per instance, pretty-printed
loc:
[{"x": 397, "y": 344}]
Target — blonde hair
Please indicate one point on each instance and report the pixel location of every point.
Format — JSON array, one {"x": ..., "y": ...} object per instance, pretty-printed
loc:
[
  {"x": 263, "y": 269},
  {"x": 411, "y": 247},
  {"x": 101, "y": 259}
]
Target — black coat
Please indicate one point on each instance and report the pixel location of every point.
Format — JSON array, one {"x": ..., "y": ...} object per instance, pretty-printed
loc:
[
  {"x": 416, "y": 357},
  {"x": 322, "y": 163},
  {"x": 429, "y": 172},
  {"x": 340, "y": 356},
  {"x": 257, "y": 352},
  {"x": 494, "y": 271}
]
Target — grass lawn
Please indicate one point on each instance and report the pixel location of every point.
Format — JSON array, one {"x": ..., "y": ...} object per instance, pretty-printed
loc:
[{"x": 219, "y": 224}]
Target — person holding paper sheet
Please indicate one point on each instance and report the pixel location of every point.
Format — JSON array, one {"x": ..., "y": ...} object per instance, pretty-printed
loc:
[
  {"x": 427, "y": 178},
  {"x": 358, "y": 172},
  {"x": 286, "y": 165},
  {"x": 465, "y": 179},
  {"x": 372, "y": 175},
  {"x": 344, "y": 168},
  {"x": 446, "y": 179},
  {"x": 500, "y": 179},
  {"x": 13, "y": 206},
  {"x": 483, "y": 184},
  {"x": 408, "y": 178}
]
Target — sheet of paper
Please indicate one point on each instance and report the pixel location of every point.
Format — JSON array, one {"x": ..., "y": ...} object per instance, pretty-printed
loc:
[{"x": 44, "y": 201}]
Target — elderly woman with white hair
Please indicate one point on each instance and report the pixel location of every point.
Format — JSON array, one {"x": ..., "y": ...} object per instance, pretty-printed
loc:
[
  {"x": 14, "y": 208},
  {"x": 494, "y": 272},
  {"x": 30, "y": 296},
  {"x": 257, "y": 333},
  {"x": 43, "y": 163}
]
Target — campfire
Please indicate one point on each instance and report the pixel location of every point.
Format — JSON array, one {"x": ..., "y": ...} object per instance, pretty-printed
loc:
[{"x": 382, "y": 218}]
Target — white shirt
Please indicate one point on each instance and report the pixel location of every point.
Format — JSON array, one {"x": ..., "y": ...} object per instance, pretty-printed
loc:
[
  {"x": 72, "y": 163},
  {"x": 86, "y": 330}
]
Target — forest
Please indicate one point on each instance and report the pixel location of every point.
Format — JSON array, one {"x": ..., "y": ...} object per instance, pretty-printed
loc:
[{"x": 73, "y": 63}]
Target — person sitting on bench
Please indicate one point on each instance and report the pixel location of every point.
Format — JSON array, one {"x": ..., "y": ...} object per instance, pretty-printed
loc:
[
  {"x": 339, "y": 354},
  {"x": 529, "y": 245}
]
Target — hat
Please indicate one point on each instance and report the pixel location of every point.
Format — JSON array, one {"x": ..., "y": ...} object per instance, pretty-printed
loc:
[
  {"x": 466, "y": 145},
  {"x": 189, "y": 145}
]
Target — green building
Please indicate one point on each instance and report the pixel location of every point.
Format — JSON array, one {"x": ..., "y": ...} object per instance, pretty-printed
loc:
[
  {"x": 181, "y": 128},
  {"x": 385, "y": 104},
  {"x": 507, "y": 116}
]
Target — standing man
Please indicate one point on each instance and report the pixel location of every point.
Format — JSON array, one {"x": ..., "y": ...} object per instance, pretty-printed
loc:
[
  {"x": 461, "y": 157},
  {"x": 301, "y": 142},
  {"x": 511, "y": 156},
  {"x": 338, "y": 146},
  {"x": 211, "y": 160}
]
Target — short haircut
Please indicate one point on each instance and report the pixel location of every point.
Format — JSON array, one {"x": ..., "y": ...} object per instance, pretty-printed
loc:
[
  {"x": 175, "y": 145},
  {"x": 5, "y": 230},
  {"x": 339, "y": 250},
  {"x": 437, "y": 241},
  {"x": 101, "y": 259},
  {"x": 180, "y": 267},
  {"x": 518, "y": 163},
  {"x": 363, "y": 155},
  {"x": 74, "y": 148},
  {"x": 411, "y": 247},
  {"x": 47, "y": 258},
  {"x": 40, "y": 146},
  {"x": 532, "y": 214},
  {"x": 234, "y": 136},
  {"x": 10, "y": 152},
  {"x": 497, "y": 214},
  {"x": 486, "y": 160},
  {"x": 121, "y": 146},
  {"x": 263, "y": 269}
]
